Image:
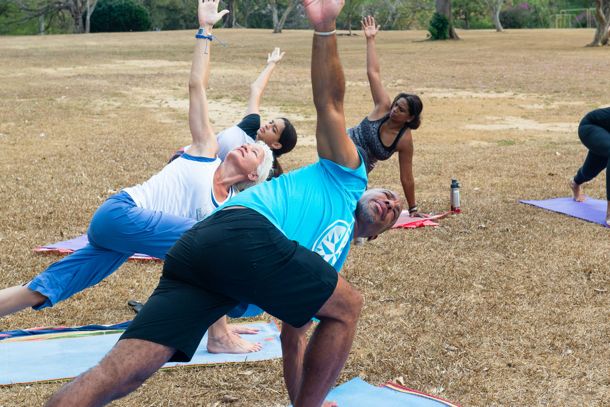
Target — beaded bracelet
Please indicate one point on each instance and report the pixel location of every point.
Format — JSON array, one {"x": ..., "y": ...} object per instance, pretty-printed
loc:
[{"x": 202, "y": 35}]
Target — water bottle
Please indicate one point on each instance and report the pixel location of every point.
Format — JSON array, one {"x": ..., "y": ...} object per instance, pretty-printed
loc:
[{"x": 455, "y": 196}]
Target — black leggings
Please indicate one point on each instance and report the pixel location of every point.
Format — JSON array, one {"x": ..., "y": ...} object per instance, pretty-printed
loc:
[{"x": 594, "y": 132}]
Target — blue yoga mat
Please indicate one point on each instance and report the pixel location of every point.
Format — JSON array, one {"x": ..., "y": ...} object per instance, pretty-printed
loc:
[
  {"x": 67, "y": 354},
  {"x": 591, "y": 210},
  {"x": 358, "y": 393}
]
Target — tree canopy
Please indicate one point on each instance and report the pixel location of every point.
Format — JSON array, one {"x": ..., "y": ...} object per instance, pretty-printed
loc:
[{"x": 62, "y": 16}]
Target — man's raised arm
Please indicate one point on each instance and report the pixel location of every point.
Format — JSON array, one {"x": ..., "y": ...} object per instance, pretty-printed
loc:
[
  {"x": 328, "y": 84},
  {"x": 204, "y": 141}
]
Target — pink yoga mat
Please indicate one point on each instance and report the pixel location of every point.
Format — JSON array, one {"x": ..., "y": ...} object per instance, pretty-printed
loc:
[
  {"x": 70, "y": 246},
  {"x": 407, "y": 222}
]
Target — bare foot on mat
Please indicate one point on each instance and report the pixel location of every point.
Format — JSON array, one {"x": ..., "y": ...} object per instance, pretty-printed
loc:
[
  {"x": 577, "y": 191},
  {"x": 231, "y": 343},
  {"x": 608, "y": 215}
]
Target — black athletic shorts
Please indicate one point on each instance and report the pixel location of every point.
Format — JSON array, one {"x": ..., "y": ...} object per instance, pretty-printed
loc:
[{"x": 235, "y": 255}]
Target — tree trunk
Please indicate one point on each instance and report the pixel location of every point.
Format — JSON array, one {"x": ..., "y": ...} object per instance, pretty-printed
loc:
[
  {"x": 277, "y": 28},
  {"x": 230, "y": 18},
  {"x": 233, "y": 15},
  {"x": 602, "y": 17},
  {"x": 77, "y": 10},
  {"x": 496, "y": 6},
  {"x": 41, "y": 25},
  {"x": 90, "y": 10},
  {"x": 274, "y": 13},
  {"x": 444, "y": 7}
]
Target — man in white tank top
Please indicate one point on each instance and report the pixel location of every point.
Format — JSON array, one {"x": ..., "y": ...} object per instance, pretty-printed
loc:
[{"x": 148, "y": 218}]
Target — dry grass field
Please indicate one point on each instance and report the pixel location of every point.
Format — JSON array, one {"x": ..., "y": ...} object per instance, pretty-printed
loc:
[{"x": 504, "y": 305}]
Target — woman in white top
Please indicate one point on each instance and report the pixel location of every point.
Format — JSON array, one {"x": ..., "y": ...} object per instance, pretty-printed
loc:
[
  {"x": 279, "y": 133},
  {"x": 148, "y": 218}
]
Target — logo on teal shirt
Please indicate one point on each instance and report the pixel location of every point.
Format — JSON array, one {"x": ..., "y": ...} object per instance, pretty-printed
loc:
[{"x": 331, "y": 242}]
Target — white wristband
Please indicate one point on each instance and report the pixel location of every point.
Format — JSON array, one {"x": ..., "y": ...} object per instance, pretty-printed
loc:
[{"x": 325, "y": 34}]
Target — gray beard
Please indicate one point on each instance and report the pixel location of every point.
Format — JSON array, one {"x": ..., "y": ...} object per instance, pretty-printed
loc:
[{"x": 363, "y": 213}]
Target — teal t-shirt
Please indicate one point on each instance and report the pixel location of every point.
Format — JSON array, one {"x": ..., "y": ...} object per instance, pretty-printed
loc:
[{"x": 313, "y": 205}]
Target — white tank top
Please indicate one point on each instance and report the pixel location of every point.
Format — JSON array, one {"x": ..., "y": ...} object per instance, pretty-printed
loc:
[{"x": 183, "y": 188}]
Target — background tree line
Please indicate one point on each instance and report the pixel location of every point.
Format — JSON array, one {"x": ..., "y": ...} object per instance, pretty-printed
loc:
[{"x": 82, "y": 16}]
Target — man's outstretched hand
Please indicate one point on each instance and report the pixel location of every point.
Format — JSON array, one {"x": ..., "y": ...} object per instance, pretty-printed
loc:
[
  {"x": 208, "y": 14},
  {"x": 275, "y": 56},
  {"x": 322, "y": 14}
]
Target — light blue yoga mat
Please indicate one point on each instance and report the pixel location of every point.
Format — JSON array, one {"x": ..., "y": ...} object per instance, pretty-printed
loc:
[
  {"x": 68, "y": 354},
  {"x": 358, "y": 393},
  {"x": 591, "y": 210}
]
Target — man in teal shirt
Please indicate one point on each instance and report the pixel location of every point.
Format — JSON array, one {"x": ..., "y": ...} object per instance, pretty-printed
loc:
[{"x": 273, "y": 247}]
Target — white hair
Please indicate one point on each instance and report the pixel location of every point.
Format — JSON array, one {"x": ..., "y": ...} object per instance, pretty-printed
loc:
[{"x": 263, "y": 170}]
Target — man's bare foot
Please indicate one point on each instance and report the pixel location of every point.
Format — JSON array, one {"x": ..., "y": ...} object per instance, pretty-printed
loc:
[
  {"x": 577, "y": 191},
  {"x": 231, "y": 343},
  {"x": 608, "y": 214},
  {"x": 242, "y": 329}
]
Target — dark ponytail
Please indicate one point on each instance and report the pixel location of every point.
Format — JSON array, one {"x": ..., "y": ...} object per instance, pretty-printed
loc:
[
  {"x": 288, "y": 140},
  {"x": 277, "y": 169}
]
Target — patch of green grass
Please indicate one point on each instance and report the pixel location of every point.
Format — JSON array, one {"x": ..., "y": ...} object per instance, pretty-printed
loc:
[{"x": 506, "y": 142}]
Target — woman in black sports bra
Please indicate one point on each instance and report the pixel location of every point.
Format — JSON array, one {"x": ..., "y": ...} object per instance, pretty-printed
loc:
[{"x": 388, "y": 127}]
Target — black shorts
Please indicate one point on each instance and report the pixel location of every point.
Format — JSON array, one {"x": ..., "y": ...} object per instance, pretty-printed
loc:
[{"x": 235, "y": 255}]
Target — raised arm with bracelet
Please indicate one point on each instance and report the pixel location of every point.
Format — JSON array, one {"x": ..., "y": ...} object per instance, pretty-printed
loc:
[
  {"x": 204, "y": 141},
  {"x": 328, "y": 83}
]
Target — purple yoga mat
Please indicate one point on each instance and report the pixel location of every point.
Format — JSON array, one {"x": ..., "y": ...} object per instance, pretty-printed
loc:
[
  {"x": 591, "y": 210},
  {"x": 69, "y": 246}
]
